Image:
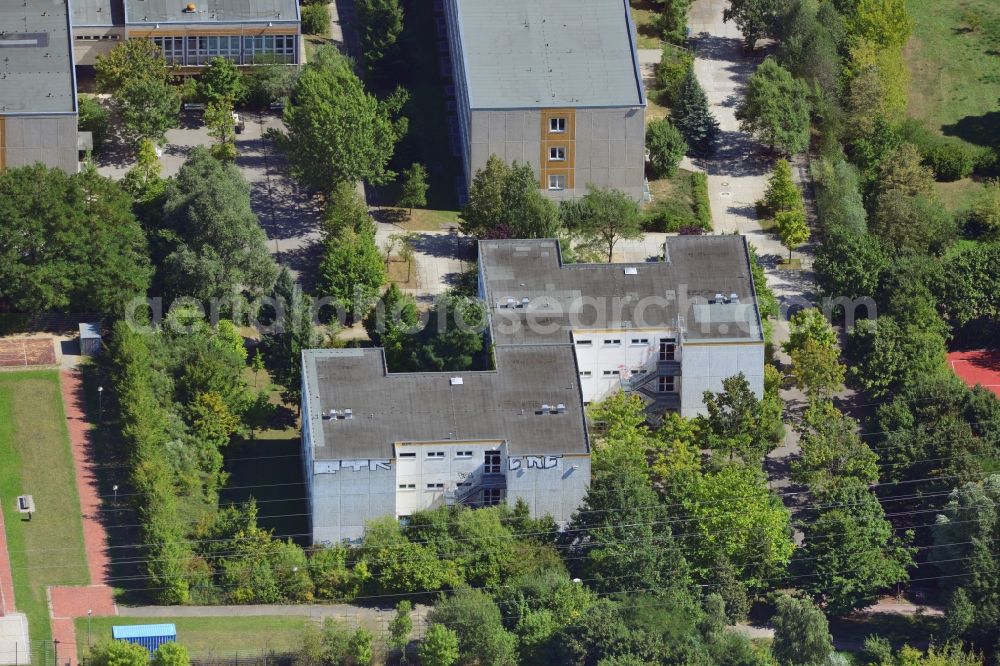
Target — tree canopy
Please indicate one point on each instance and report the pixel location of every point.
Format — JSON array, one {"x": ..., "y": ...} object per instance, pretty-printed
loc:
[
  {"x": 505, "y": 202},
  {"x": 775, "y": 108}
]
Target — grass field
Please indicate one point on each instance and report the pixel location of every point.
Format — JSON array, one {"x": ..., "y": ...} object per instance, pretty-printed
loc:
[
  {"x": 36, "y": 460},
  {"x": 210, "y": 636},
  {"x": 954, "y": 63},
  {"x": 644, "y": 14}
]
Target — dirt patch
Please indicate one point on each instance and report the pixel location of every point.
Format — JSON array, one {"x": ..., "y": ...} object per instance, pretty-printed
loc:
[{"x": 27, "y": 352}]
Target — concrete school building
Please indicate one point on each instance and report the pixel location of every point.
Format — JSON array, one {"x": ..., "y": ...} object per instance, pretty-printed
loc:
[
  {"x": 38, "y": 108},
  {"x": 190, "y": 33},
  {"x": 379, "y": 443},
  {"x": 553, "y": 84},
  {"x": 667, "y": 330}
]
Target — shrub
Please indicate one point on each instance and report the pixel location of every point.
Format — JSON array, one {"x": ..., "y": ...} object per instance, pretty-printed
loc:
[
  {"x": 950, "y": 160},
  {"x": 699, "y": 200},
  {"x": 316, "y": 19},
  {"x": 674, "y": 65},
  {"x": 666, "y": 148},
  {"x": 686, "y": 208},
  {"x": 984, "y": 217},
  {"x": 94, "y": 119}
]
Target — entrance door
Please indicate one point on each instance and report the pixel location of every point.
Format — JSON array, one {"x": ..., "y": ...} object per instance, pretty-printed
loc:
[{"x": 667, "y": 348}]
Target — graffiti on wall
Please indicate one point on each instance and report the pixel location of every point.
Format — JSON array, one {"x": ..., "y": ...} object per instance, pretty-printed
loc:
[
  {"x": 533, "y": 462},
  {"x": 334, "y": 466}
]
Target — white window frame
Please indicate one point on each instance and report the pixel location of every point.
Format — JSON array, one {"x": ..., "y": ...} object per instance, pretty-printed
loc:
[
  {"x": 463, "y": 454},
  {"x": 585, "y": 343},
  {"x": 611, "y": 373},
  {"x": 557, "y": 182},
  {"x": 435, "y": 455},
  {"x": 407, "y": 486},
  {"x": 557, "y": 125},
  {"x": 613, "y": 342},
  {"x": 640, "y": 341},
  {"x": 408, "y": 454},
  {"x": 435, "y": 486},
  {"x": 585, "y": 373},
  {"x": 557, "y": 153}
]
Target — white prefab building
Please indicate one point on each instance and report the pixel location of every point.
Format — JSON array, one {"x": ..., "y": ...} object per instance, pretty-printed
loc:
[
  {"x": 377, "y": 443},
  {"x": 668, "y": 330}
]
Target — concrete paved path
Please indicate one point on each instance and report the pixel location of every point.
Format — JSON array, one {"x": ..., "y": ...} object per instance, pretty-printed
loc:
[{"x": 13, "y": 625}]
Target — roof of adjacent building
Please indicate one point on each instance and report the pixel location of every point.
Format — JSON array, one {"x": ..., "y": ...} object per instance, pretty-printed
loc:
[
  {"x": 556, "y": 53},
  {"x": 98, "y": 13},
  {"x": 174, "y": 11},
  {"x": 501, "y": 404},
  {"x": 120, "y": 632},
  {"x": 703, "y": 286},
  {"x": 36, "y": 61}
]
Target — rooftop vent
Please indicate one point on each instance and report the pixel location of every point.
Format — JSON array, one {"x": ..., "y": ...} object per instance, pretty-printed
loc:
[
  {"x": 191, "y": 8},
  {"x": 512, "y": 302},
  {"x": 734, "y": 298},
  {"x": 560, "y": 408},
  {"x": 457, "y": 381},
  {"x": 631, "y": 270},
  {"x": 545, "y": 408},
  {"x": 348, "y": 413},
  {"x": 719, "y": 298},
  {"x": 525, "y": 301}
]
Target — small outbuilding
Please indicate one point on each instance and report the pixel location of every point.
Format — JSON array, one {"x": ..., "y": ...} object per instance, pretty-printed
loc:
[
  {"x": 149, "y": 636},
  {"x": 90, "y": 339}
]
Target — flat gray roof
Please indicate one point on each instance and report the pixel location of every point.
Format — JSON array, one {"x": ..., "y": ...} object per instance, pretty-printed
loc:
[
  {"x": 551, "y": 53},
  {"x": 679, "y": 292},
  {"x": 500, "y": 404},
  {"x": 36, "y": 62},
  {"x": 172, "y": 11},
  {"x": 98, "y": 13}
]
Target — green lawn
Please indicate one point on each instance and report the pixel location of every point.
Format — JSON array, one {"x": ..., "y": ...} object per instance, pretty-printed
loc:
[
  {"x": 954, "y": 61},
  {"x": 644, "y": 13},
  {"x": 210, "y": 636},
  {"x": 35, "y": 459}
]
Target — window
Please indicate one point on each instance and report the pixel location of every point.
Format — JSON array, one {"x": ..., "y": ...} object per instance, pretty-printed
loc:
[
  {"x": 557, "y": 154},
  {"x": 407, "y": 486},
  {"x": 408, "y": 454},
  {"x": 584, "y": 343},
  {"x": 667, "y": 350},
  {"x": 463, "y": 454},
  {"x": 435, "y": 486},
  {"x": 557, "y": 182},
  {"x": 666, "y": 384},
  {"x": 435, "y": 454},
  {"x": 492, "y": 496},
  {"x": 585, "y": 373},
  {"x": 640, "y": 341},
  {"x": 613, "y": 341},
  {"x": 609, "y": 373},
  {"x": 557, "y": 124},
  {"x": 491, "y": 462}
]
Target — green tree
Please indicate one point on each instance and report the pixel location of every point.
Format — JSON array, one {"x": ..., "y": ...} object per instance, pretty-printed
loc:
[
  {"x": 912, "y": 224},
  {"x": 413, "y": 192},
  {"x": 93, "y": 119},
  {"x": 775, "y": 108},
  {"x": 971, "y": 291},
  {"x": 439, "y": 646},
  {"x": 851, "y": 553},
  {"x": 220, "y": 246},
  {"x": 68, "y": 242},
  {"x": 903, "y": 171},
  {"x": 851, "y": 265},
  {"x": 817, "y": 369},
  {"x": 143, "y": 180},
  {"x": 733, "y": 516},
  {"x": 666, "y": 147},
  {"x": 801, "y": 633},
  {"x": 606, "y": 216},
  {"x": 351, "y": 272},
  {"x": 360, "y": 647},
  {"x": 809, "y": 324},
  {"x": 884, "y": 22},
  {"x": 380, "y": 23},
  {"x": 401, "y": 566},
  {"x": 782, "y": 193},
  {"x": 316, "y": 19},
  {"x": 505, "y": 202},
  {"x": 401, "y": 627},
  {"x": 674, "y": 65},
  {"x": 147, "y": 107},
  {"x": 131, "y": 59},
  {"x": 622, "y": 533},
  {"x": 692, "y": 116},
  {"x": 985, "y": 212},
  {"x": 292, "y": 330},
  {"x": 222, "y": 80},
  {"x": 171, "y": 654},
  {"x": 792, "y": 229},
  {"x": 476, "y": 620},
  {"x": 832, "y": 451},
  {"x": 887, "y": 356},
  {"x": 219, "y": 120},
  {"x": 119, "y": 653},
  {"x": 735, "y": 423},
  {"x": 337, "y": 132},
  {"x": 754, "y": 18}
]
